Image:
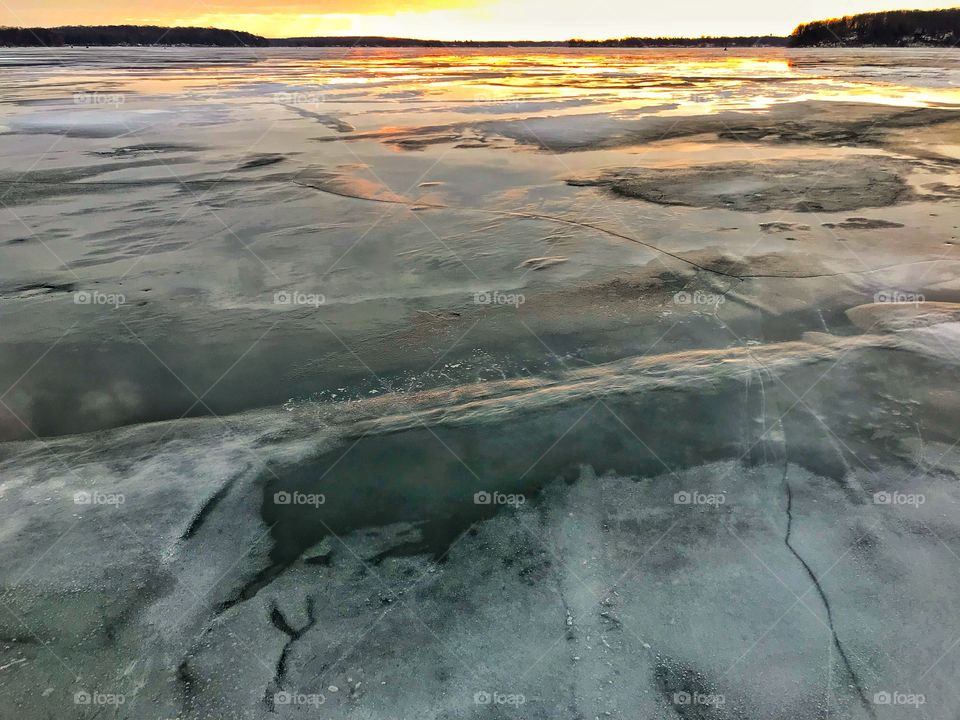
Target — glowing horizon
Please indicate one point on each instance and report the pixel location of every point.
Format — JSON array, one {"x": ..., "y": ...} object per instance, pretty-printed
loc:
[{"x": 448, "y": 19}]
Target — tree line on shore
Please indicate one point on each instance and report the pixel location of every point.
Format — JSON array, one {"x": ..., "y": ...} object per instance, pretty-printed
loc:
[
  {"x": 109, "y": 35},
  {"x": 144, "y": 35},
  {"x": 894, "y": 28},
  {"x": 897, "y": 28}
]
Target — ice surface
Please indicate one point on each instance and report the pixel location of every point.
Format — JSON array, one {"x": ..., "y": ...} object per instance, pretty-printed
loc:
[{"x": 350, "y": 385}]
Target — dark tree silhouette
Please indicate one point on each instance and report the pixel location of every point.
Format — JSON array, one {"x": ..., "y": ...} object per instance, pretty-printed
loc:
[
  {"x": 138, "y": 35},
  {"x": 736, "y": 41},
  {"x": 895, "y": 28},
  {"x": 128, "y": 35},
  {"x": 29, "y": 37}
]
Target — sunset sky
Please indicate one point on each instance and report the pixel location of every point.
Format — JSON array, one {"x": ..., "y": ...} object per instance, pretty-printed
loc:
[{"x": 451, "y": 19}]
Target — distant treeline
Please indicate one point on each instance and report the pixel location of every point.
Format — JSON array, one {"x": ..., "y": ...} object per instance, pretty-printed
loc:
[
  {"x": 352, "y": 42},
  {"x": 895, "y": 28},
  {"x": 152, "y": 35},
  {"x": 622, "y": 42},
  {"x": 737, "y": 41},
  {"x": 127, "y": 35},
  {"x": 374, "y": 41},
  {"x": 29, "y": 37}
]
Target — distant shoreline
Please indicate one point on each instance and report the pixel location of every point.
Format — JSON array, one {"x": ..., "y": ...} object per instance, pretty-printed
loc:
[
  {"x": 412, "y": 45},
  {"x": 900, "y": 28},
  {"x": 147, "y": 36}
]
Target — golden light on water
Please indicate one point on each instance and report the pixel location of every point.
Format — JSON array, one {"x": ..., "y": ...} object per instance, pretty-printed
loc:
[{"x": 675, "y": 81}]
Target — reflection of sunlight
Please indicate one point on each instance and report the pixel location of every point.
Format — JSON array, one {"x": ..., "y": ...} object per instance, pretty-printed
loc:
[
  {"x": 694, "y": 81},
  {"x": 903, "y": 96}
]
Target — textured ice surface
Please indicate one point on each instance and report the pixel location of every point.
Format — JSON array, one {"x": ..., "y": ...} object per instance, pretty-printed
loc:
[
  {"x": 620, "y": 571},
  {"x": 334, "y": 386}
]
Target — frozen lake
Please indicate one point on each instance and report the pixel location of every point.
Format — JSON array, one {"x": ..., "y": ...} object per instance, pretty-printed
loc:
[{"x": 380, "y": 385}]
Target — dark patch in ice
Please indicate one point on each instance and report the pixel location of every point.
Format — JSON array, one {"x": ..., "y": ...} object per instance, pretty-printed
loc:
[
  {"x": 772, "y": 227},
  {"x": 208, "y": 507},
  {"x": 264, "y": 160},
  {"x": 679, "y": 684},
  {"x": 31, "y": 290},
  {"x": 860, "y": 223},
  {"x": 427, "y": 477},
  {"x": 404, "y": 549},
  {"x": 322, "y": 559},
  {"x": 535, "y": 570},
  {"x": 39, "y": 185},
  {"x": 152, "y": 148},
  {"x": 796, "y": 185},
  {"x": 945, "y": 190},
  {"x": 542, "y": 263},
  {"x": 666, "y": 284},
  {"x": 821, "y": 123},
  {"x": 280, "y": 622},
  {"x": 422, "y": 141},
  {"x": 188, "y": 683},
  {"x": 249, "y": 589},
  {"x": 836, "y": 131},
  {"x": 768, "y": 265},
  {"x": 330, "y": 121},
  {"x": 20, "y": 639}
]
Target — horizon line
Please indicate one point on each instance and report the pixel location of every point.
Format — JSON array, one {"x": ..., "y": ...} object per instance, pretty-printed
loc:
[{"x": 393, "y": 37}]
